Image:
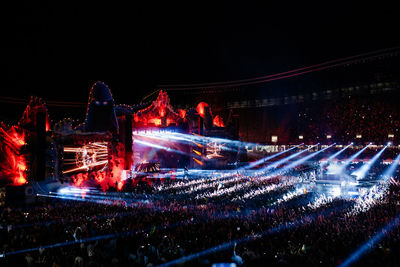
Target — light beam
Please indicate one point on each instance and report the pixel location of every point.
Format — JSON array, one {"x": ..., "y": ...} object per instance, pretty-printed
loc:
[{"x": 362, "y": 172}]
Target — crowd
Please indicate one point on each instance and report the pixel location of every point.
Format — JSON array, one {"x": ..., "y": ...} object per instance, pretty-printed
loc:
[
  {"x": 371, "y": 119},
  {"x": 271, "y": 221}
]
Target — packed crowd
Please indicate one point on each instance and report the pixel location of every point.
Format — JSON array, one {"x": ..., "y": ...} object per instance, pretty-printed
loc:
[
  {"x": 372, "y": 119},
  {"x": 262, "y": 221}
]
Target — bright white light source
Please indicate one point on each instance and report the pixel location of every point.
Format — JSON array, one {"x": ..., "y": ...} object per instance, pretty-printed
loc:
[
  {"x": 334, "y": 168},
  {"x": 358, "y": 136},
  {"x": 336, "y": 192},
  {"x": 274, "y": 138},
  {"x": 329, "y": 136},
  {"x": 301, "y": 137},
  {"x": 72, "y": 190}
]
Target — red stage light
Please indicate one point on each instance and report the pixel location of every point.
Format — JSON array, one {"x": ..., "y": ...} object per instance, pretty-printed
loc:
[
  {"x": 201, "y": 108},
  {"x": 14, "y": 165},
  {"x": 162, "y": 112},
  {"x": 155, "y": 121},
  {"x": 182, "y": 113},
  {"x": 160, "y": 108},
  {"x": 218, "y": 121}
]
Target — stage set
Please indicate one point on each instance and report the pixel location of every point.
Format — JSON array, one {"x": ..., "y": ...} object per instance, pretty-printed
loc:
[
  {"x": 116, "y": 144},
  {"x": 188, "y": 168}
]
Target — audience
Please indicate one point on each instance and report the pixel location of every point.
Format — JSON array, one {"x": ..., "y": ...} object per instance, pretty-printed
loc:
[{"x": 171, "y": 223}]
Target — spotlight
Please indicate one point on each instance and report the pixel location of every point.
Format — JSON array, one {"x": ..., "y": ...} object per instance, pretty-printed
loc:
[
  {"x": 362, "y": 172},
  {"x": 335, "y": 155},
  {"x": 389, "y": 143},
  {"x": 284, "y": 160},
  {"x": 391, "y": 169},
  {"x": 349, "y": 160},
  {"x": 336, "y": 192},
  {"x": 255, "y": 163},
  {"x": 302, "y": 160}
]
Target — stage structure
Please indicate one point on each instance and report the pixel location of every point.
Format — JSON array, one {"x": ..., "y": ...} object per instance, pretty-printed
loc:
[
  {"x": 28, "y": 153},
  {"x": 174, "y": 136},
  {"x": 113, "y": 142}
]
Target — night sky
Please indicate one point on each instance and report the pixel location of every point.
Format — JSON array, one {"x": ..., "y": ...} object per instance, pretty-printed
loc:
[{"x": 58, "y": 50}]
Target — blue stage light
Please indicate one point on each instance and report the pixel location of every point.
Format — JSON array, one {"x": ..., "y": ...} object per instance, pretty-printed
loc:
[
  {"x": 300, "y": 161},
  {"x": 353, "y": 157},
  {"x": 362, "y": 172},
  {"x": 253, "y": 164},
  {"x": 391, "y": 169},
  {"x": 335, "y": 155},
  {"x": 284, "y": 160}
]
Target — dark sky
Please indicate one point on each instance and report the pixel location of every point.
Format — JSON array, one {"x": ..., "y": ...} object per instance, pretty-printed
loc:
[{"x": 57, "y": 49}]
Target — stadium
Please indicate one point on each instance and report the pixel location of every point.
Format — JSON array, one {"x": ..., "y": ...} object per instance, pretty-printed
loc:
[{"x": 297, "y": 167}]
